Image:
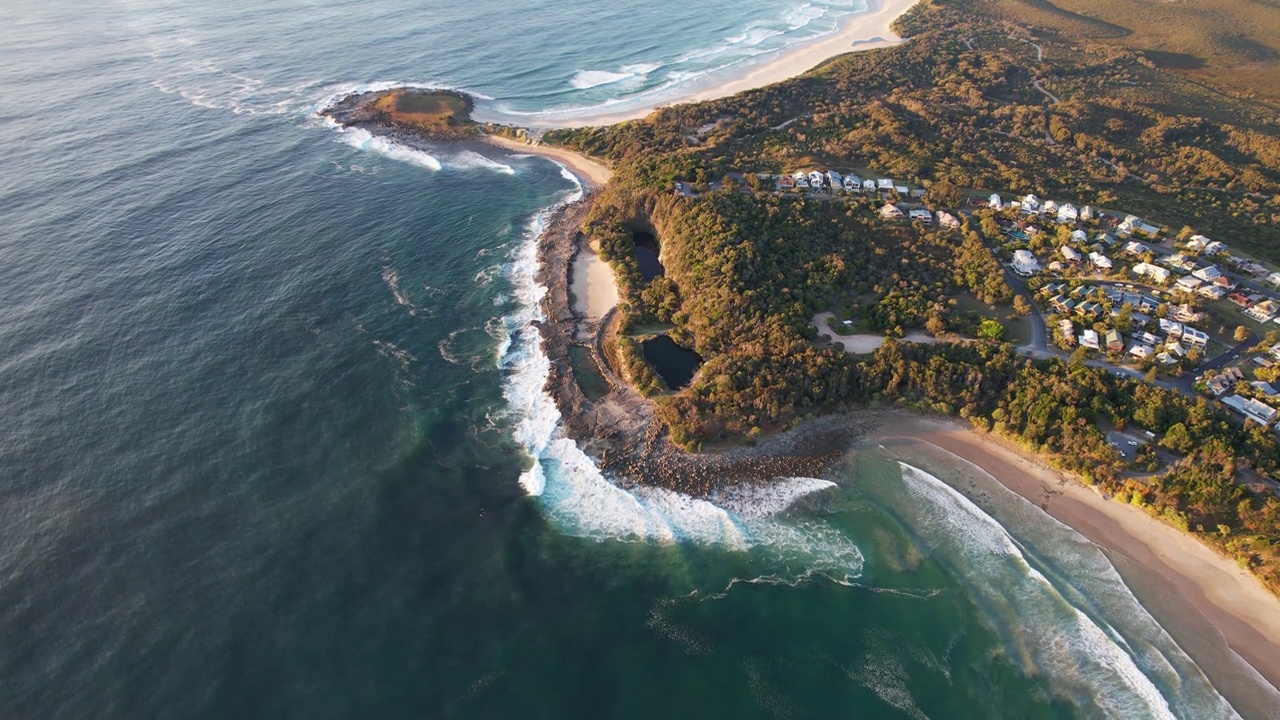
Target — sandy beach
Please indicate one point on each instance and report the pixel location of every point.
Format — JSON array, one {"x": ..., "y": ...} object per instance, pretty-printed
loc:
[
  {"x": 865, "y": 31},
  {"x": 590, "y": 172},
  {"x": 594, "y": 290},
  {"x": 1212, "y": 607}
]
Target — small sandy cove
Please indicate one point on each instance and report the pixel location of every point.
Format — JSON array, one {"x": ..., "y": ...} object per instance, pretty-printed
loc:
[
  {"x": 1191, "y": 581},
  {"x": 590, "y": 172}
]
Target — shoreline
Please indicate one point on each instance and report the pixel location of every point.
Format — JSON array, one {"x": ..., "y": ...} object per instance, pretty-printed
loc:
[
  {"x": 592, "y": 173},
  {"x": 864, "y": 31},
  {"x": 1221, "y": 614}
]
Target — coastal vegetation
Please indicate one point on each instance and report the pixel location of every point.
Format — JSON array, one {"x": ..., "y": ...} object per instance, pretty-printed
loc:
[{"x": 974, "y": 103}]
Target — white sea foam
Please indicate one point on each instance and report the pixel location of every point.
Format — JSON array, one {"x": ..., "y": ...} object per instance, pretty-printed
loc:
[
  {"x": 582, "y": 502},
  {"x": 470, "y": 160},
  {"x": 1082, "y": 656},
  {"x": 586, "y": 79},
  {"x": 365, "y": 141}
]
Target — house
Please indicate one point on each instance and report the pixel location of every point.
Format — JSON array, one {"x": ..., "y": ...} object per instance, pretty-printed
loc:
[
  {"x": 1089, "y": 339},
  {"x": 1208, "y": 274},
  {"x": 922, "y": 215},
  {"x": 1050, "y": 208},
  {"x": 1031, "y": 204},
  {"x": 890, "y": 212},
  {"x": 994, "y": 202},
  {"x": 1187, "y": 284},
  {"x": 1154, "y": 273},
  {"x": 948, "y": 221},
  {"x": 1171, "y": 328},
  {"x": 1264, "y": 388},
  {"x": 1068, "y": 213},
  {"x": 1106, "y": 239},
  {"x": 884, "y": 184},
  {"x": 1274, "y": 279},
  {"x": 1069, "y": 254},
  {"x": 1212, "y": 292},
  {"x": 1255, "y": 410},
  {"x": 817, "y": 179},
  {"x": 835, "y": 179},
  {"x": 1087, "y": 213},
  {"x": 918, "y": 192},
  {"x": 870, "y": 186},
  {"x": 786, "y": 182},
  {"x": 852, "y": 183},
  {"x": 1263, "y": 311},
  {"x": 1174, "y": 349},
  {"x": 1141, "y": 352},
  {"x": 902, "y": 190},
  {"x": 1100, "y": 261},
  {"x": 802, "y": 180},
  {"x": 1194, "y": 337},
  {"x": 1067, "y": 330},
  {"x": 1113, "y": 341},
  {"x": 1079, "y": 236},
  {"x": 1215, "y": 248},
  {"x": 1183, "y": 313},
  {"x": 1239, "y": 298},
  {"x": 1146, "y": 338},
  {"x": 1196, "y": 243},
  {"x": 1165, "y": 358},
  {"x": 1136, "y": 248},
  {"x": 1133, "y": 225}
]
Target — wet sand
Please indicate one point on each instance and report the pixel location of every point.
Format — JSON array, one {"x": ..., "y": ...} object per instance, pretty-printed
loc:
[
  {"x": 1221, "y": 614},
  {"x": 591, "y": 172}
]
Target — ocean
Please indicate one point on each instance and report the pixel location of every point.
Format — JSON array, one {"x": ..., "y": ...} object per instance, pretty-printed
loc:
[{"x": 275, "y": 444}]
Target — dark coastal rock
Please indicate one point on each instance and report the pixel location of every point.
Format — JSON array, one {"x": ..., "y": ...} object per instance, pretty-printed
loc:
[{"x": 619, "y": 430}]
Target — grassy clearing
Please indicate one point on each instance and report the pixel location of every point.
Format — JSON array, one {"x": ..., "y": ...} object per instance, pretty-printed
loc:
[{"x": 435, "y": 111}]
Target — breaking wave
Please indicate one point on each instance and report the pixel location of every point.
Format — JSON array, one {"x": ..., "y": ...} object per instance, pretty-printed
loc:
[
  {"x": 1084, "y": 657},
  {"x": 582, "y": 502}
]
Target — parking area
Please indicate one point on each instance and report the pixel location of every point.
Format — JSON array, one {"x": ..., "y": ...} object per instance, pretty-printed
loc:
[{"x": 1127, "y": 443}]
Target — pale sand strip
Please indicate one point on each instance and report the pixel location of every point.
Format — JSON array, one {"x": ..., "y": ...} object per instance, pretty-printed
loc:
[
  {"x": 865, "y": 31},
  {"x": 594, "y": 290},
  {"x": 591, "y": 172},
  {"x": 1194, "y": 579}
]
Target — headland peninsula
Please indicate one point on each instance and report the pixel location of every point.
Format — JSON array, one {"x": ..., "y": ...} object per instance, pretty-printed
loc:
[{"x": 742, "y": 259}]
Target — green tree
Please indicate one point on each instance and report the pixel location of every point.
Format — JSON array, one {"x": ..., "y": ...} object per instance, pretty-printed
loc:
[
  {"x": 1021, "y": 306},
  {"x": 991, "y": 330},
  {"x": 1241, "y": 334}
]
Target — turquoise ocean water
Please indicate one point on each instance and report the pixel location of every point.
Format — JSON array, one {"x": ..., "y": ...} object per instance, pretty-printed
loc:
[{"x": 274, "y": 443}]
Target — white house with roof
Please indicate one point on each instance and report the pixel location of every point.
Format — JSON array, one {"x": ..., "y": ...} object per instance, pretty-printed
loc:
[
  {"x": 1194, "y": 337},
  {"x": 891, "y": 212},
  {"x": 884, "y": 184},
  {"x": 1274, "y": 279},
  {"x": 1215, "y": 248},
  {"x": 1030, "y": 204},
  {"x": 1263, "y": 311},
  {"x": 922, "y": 215},
  {"x": 1100, "y": 261},
  {"x": 802, "y": 180},
  {"x": 1135, "y": 248},
  {"x": 1141, "y": 352},
  {"x": 1079, "y": 236},
  {"x": 1208, "y": 274},
  {"x": 1069, "y": 254},
  {"x": 1196, "y": 243},
  {"x": 817, "y": 179},
  {"x": 1187, "y": 284},
  {"x": 1154, "y": 273},
  {"x": 1049, "y": 207},
  {"x": 1024, "y": 263},
  {"x": 1171, "y": 328},
  {"x": 869, "y": 185},
  {"x": 901, "y": 189},
  {"x": 852, "y": 183},
  {"x": 835, "y": 179},
  {"x": 1087, "y": 213},
  {"x": 1089, "y": 339},
  {"x": 994, "y": 202},
  {"x": 1212, "y": 292},
  {"x": 948, "y": 221},
  {"x": 1067, "y": 213},
  {"x": 1255, "y": 410}
]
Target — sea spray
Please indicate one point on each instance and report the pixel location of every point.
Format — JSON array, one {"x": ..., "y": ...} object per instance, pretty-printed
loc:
[
  {"x": 1083, "y": 654},
  {"x": 581, "y": 501}
]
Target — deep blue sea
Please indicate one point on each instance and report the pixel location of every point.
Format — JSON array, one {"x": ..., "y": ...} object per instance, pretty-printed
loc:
[{"x": 274, "y": 443}]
